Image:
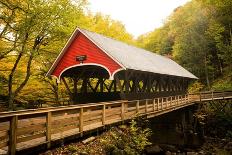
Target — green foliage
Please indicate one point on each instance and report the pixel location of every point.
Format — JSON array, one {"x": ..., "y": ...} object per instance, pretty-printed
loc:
[
  {"x": 223, "y": 83},
  {"x": 219, "y": 124},
  {"x": 195, "y": 87},
  {"x": 127, "y": 140},
  {"x": 216, "y": 118},
  {"x": 198, "y": 36}
]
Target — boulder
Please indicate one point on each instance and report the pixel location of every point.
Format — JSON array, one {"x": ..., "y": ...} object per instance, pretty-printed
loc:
[{"x": 155, "y": 149}]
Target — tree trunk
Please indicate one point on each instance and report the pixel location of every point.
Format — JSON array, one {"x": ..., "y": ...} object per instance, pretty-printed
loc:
[
  {"x": 206, "y": 73},
  {"x": 10, "y": 83},
  {"x": 11, "y": 101},
  {"x": 56, "y": 93}
]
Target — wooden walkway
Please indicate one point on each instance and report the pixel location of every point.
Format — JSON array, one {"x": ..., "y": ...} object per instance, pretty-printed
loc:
[{"x": 29, "y": 128}]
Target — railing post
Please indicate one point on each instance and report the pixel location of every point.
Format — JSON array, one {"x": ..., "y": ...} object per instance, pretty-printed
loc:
[
  {"x": 200, "y": 96},
  {"x": 154, "y": 105},
  {"x": 122, "y": 110},
  {"x": 171, "y": 101},
  {"x": 177, "y": 99},
  {"x": 137, "y": 106},
  {"x": 186, "y": 98},
  {"x": 81, "y": 122},
  {"x": 146, "y": 102},
  {"x": 180, "y": 99},
  {"x": 48, "y": 129},
  {"x": 167, "y": 102},
  {"x": 223, "y": 95},
  {"x": 158, "y": 100},
  {"x": 162, "y": 101},
  {"x": 13, "y": 135},
  {"x": 212, "y": 95},
  {"x": 103, "y": 114}
]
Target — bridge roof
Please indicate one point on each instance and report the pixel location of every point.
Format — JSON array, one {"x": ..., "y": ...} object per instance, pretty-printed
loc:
[{"x": 130, "y": 57}]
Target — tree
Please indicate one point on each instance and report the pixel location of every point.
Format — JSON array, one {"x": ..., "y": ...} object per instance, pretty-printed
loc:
[
  {"x": 33, "y": 28},
  {"x": 198, "y": 36}
]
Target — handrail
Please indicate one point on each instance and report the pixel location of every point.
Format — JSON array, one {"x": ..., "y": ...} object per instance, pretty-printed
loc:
[{"x": 19, "y": 129}]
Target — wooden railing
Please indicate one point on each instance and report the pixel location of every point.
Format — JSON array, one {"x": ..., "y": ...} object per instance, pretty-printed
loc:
[
  {"x": 210, "y": 95},
  {"x": 24, "y": 129}
]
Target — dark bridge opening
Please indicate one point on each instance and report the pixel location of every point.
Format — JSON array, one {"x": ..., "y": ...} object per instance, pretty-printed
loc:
[
  {"x": 93, "y": 84},
  {"x": 90, "y": 84}
]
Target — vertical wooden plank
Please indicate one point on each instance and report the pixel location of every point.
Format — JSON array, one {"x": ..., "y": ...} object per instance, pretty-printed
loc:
[
  {"x": 84, "y": 85},
  {"x": 154, "y": 105},
  {"x": 48, "y": 129},
  {"x": 75, "y": 85},
  {"x": 212, "y": 96},
  {"x": 81, "y": 121},
  {"x": 158, "y": 100},
  {"x": 67, "y": 87},
  {"x": 122, "y": 110},
  {"x": 146, "y": 106},
  {"x": 167, "y": 102},
  {"x": 200, "y": 96},
  {"x": 181, "y": 101},
  {"x": 103, "y": 114},
  {"x": 171, "y": 101},
  {"x": 115, "y": 86},
  {"x": 101, "y": 85},
  {"x": 13, "y": 135},
  {"x": 137, "y": 107},
  {"x": 162, "y": 101},
  {"x": 127, "y": 82}
]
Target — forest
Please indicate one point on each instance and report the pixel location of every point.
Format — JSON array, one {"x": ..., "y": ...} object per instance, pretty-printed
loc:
[{"x": 197, "y": 35}]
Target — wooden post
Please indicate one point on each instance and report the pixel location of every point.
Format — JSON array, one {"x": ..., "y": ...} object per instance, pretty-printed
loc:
[
  {"x": 115, "y": 86},
  {"x": 167, "y": 102},
  {"x": 122, "y": 110},
  {"x": 103, "y": 114},
  {"x": 81, "y": 123},
  {"x": 212, "y": 95},
  {"x": 158, "y": 104},
  {"x": 177, "y": 99},
  {"x": 84, "y": 85},
  {"x": 67, "y": 87},
  {"x": 171, "y": 101},
  {"x": 181, "y": 99},
  {"x": 75, "y": 86},
  {"x": 48, "y": 129},
  {"x": 146, "y": 108},
  {"x": 127, "y": 82},
  {"x": 13, "y": 135},
  {"x": 154, "y": 105},
  {"x": 101, "y": 85},
  {"x": 200, "y": 96},
  {"x": 137, "y": 107},
  {"x": 162, "y": 101}
]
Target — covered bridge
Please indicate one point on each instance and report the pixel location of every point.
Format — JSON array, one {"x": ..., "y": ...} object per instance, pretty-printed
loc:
[{"x": 99, "y": 68}]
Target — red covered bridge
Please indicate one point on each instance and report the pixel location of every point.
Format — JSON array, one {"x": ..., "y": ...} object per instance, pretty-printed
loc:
[{"x": 104, "y": 69}]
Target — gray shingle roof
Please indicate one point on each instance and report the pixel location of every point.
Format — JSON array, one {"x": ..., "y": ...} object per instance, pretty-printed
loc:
[{"x": 136, "y": 58}]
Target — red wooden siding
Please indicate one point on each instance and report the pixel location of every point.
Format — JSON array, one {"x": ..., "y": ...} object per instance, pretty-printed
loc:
[{"x": 81, "y": 45}]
